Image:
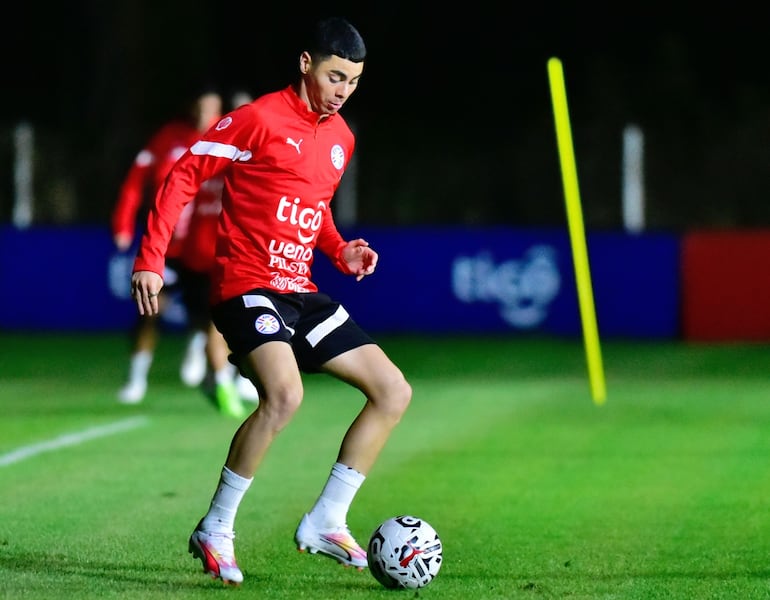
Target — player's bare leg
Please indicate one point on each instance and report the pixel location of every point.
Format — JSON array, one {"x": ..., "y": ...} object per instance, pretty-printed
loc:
[
  {"x": 388, "y": 395},
  {"x": 324, "y": 529},
  {"x": 212, "y": 539}
]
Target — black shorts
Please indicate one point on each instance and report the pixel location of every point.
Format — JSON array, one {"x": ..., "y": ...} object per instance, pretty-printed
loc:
[
  {"x": 171, "y": 282},
  {"x": 195, "y": 288},
  {"x": 317, "y": 328}
]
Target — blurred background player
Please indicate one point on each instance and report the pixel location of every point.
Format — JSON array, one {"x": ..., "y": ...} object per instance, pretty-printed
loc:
[
  {"x": 138, "y": 191},
  {"x": 240, "y": 96},
  {"x": 196, "y": 257}
]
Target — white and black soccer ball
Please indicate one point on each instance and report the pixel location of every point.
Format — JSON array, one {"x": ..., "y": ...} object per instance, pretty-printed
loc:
[{"x": 404, "y": 552}]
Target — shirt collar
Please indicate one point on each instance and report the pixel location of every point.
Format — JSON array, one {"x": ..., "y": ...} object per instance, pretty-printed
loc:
[{"x": 299, "y": 106}]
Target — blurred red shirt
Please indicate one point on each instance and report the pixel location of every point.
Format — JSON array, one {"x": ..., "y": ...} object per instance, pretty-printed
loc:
[{"x": 145, "y": 178}]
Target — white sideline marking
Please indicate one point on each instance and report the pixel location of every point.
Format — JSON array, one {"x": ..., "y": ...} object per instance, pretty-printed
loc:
[{"x": 70, "y": 439}]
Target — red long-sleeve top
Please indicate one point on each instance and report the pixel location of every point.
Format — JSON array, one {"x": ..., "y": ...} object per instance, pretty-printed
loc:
[{"x": 281, "y": 165}]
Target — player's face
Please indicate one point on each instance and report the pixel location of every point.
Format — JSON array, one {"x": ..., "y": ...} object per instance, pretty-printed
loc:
[
  {"x": 330, "y": 83},
  {"x": 209, "y": 110}
]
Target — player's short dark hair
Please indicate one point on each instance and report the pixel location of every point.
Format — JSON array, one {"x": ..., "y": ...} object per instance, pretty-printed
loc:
[{"x": 335, "y": 36}]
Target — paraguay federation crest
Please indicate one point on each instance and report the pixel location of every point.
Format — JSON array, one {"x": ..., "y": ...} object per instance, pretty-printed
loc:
[
  {"x": 266, "y": 324},
  {"x": 338, "y": 156}
]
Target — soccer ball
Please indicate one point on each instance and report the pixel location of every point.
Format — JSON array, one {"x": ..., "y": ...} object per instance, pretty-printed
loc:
[{"x": 404, "y": 552}]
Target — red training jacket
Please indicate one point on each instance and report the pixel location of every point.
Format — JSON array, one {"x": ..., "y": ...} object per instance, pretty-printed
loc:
[{"x": 281, "y": 167}]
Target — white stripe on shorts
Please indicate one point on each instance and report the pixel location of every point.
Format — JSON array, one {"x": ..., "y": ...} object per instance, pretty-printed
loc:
[
  {"x": 254, "y": 300},
  {"x": 324, "y": 328}
]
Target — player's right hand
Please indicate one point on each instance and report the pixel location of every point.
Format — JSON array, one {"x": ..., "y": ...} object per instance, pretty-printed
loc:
[{"x": 145, "y": 289}]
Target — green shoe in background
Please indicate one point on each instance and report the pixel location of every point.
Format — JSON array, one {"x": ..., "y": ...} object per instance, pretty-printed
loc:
[{"x": 228, "y": 400}]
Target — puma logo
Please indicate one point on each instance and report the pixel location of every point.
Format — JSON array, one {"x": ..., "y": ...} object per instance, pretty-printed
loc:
[{"x": 291, "y": 142}]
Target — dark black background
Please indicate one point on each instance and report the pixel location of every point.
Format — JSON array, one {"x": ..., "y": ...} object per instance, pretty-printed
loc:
[{"x": 453, "y": 114}]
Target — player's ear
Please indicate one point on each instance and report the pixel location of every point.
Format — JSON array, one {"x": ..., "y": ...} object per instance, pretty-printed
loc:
[{"x": 305, "y": 62}]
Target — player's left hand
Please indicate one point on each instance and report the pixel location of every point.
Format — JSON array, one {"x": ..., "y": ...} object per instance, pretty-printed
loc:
[{"x": 360, "y": 258}]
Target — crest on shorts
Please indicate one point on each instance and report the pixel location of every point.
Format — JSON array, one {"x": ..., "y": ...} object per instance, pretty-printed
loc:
[{"x": 266, "y": 324}]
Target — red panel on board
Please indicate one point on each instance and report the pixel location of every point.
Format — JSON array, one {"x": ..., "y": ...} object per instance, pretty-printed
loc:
[{"x": 726, "y": 286}]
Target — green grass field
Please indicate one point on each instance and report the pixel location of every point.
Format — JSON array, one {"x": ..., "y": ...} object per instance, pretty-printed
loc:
[{"x": 663, "y": 492}]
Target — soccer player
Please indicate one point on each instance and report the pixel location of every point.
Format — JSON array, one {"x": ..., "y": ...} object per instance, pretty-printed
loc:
[
  {"x": 282, "y": 157},
  {"x": 146, "y": 175}
]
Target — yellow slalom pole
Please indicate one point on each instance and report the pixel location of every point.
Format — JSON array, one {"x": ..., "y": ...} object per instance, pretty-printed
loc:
[{"x": 576, "y": 231}]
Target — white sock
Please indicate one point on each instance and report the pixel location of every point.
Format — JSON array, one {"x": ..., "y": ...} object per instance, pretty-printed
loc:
[
  {"x": 224, "y": 504},
  {"x": 197, "y": 343},
  {"x": 224, "y": 375},
  {"x": 331, "y": 508},
  {"x": 140, "y": 366}
]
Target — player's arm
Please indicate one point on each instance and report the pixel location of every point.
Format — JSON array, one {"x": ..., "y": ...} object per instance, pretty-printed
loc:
[
  {"x": 204, "y": 160},
  {"x": 179, "y": 188},
  {"x": 130, "y": 199}
]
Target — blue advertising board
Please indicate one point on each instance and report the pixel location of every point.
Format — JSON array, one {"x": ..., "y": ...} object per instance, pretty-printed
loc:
[
  {"x": 428, "y": 280},
  {"x": 502, "y": 280},
  {"x": 67, "y": 279}
]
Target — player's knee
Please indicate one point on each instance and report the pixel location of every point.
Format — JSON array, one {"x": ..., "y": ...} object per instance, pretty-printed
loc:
[
  {"x": 289, "y": 401},
  {"x": 398, "y": 398},
  {"x": 405, "y": 396},
  {"x": 279, "y": 406}
]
